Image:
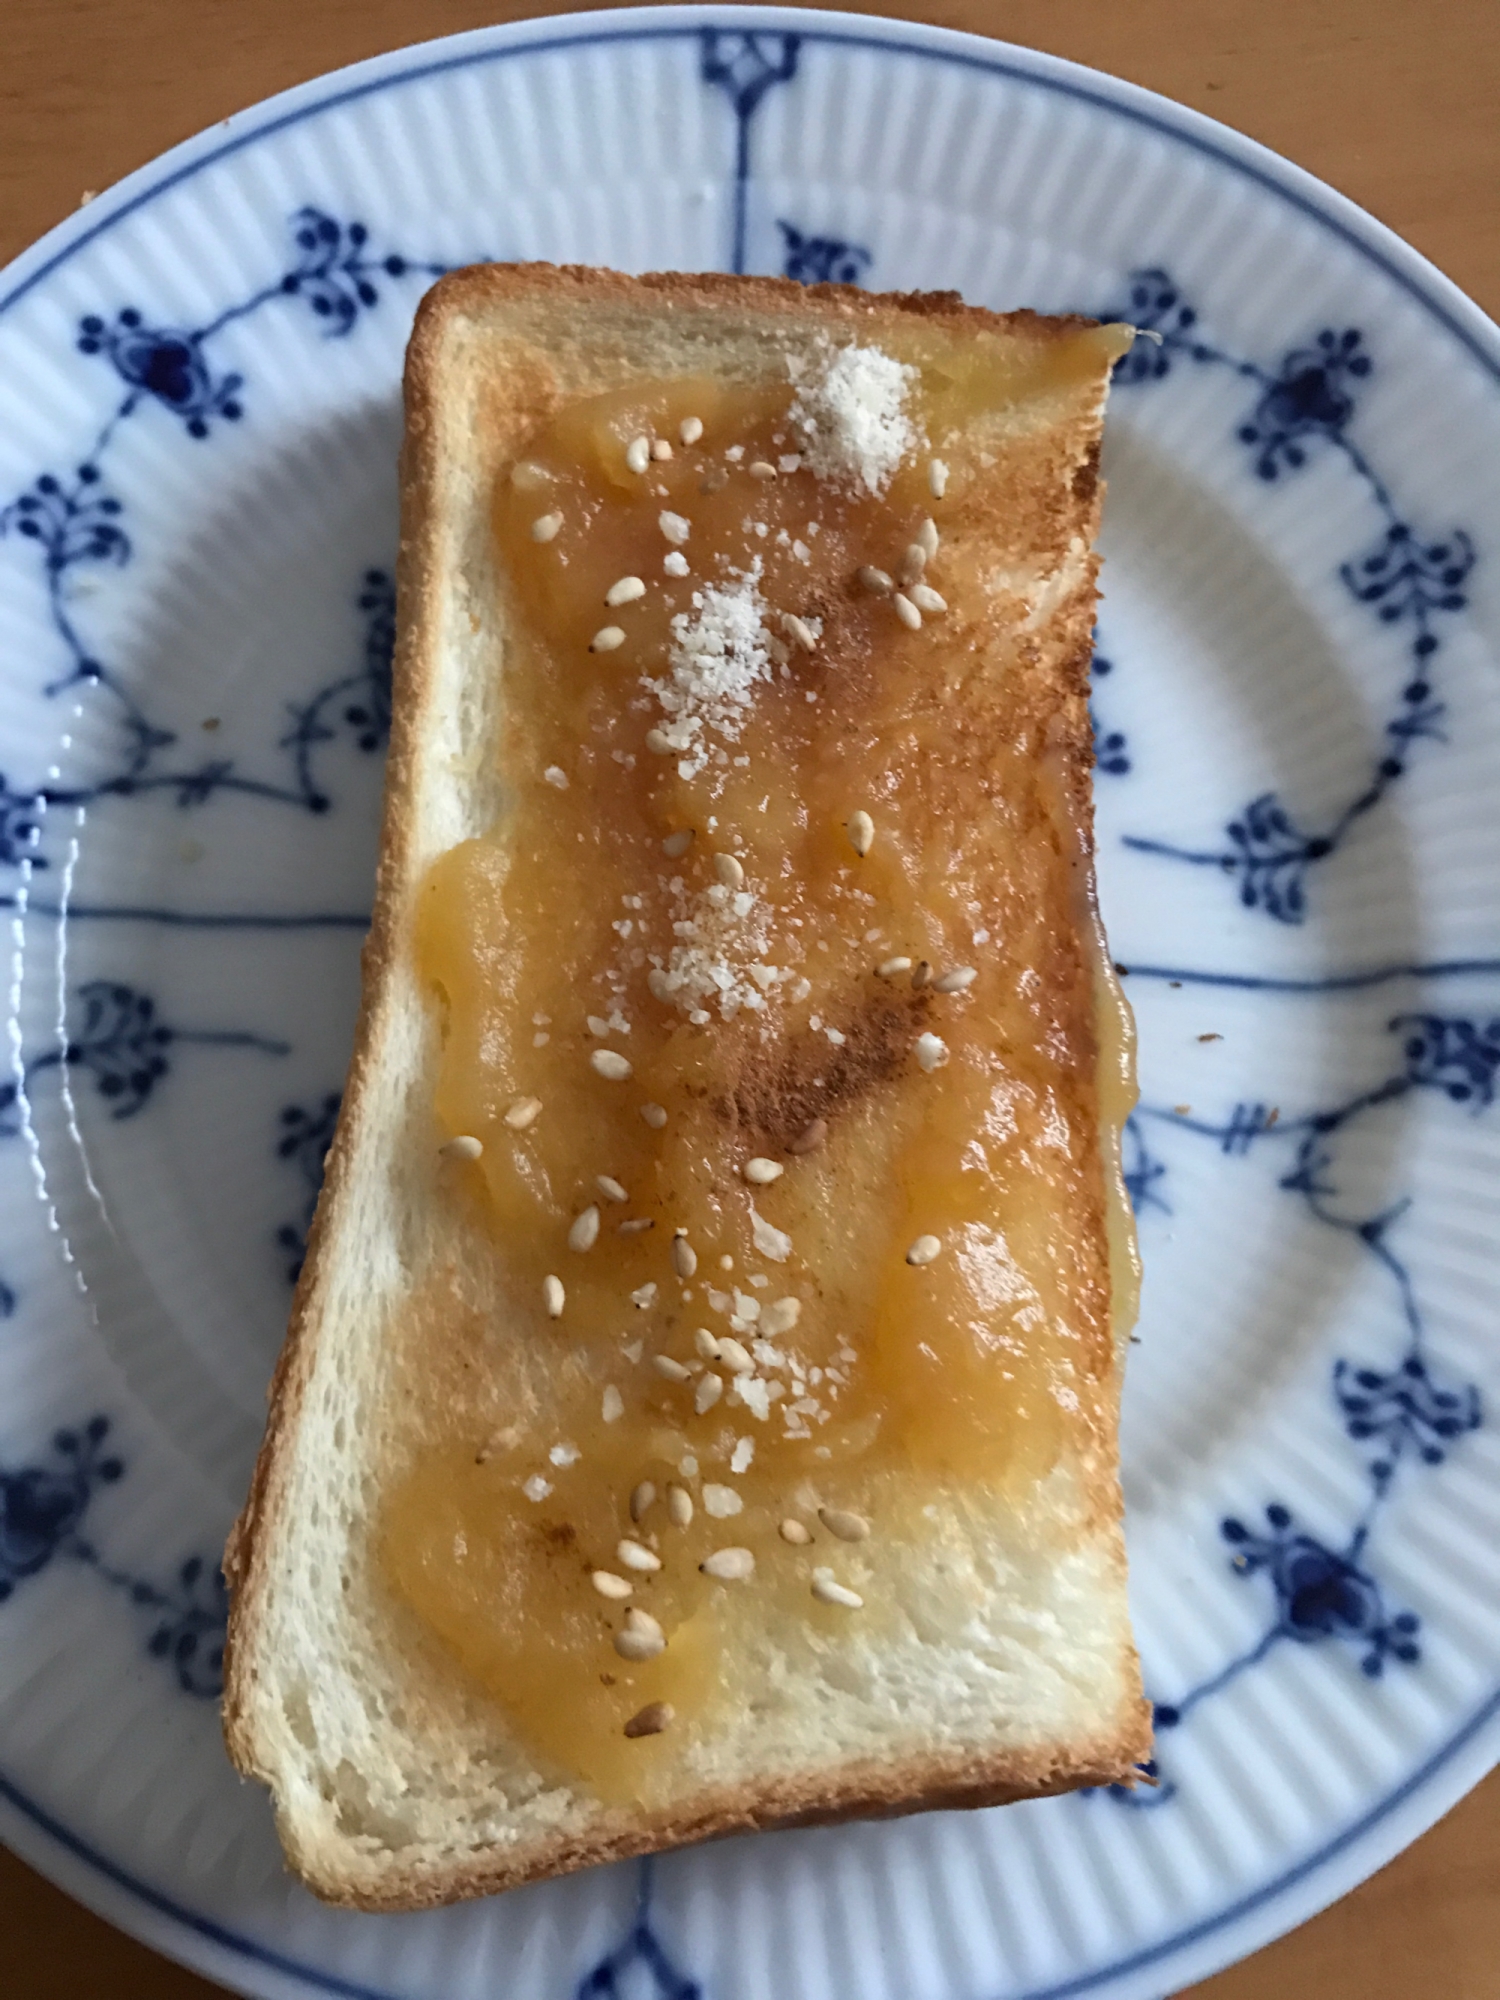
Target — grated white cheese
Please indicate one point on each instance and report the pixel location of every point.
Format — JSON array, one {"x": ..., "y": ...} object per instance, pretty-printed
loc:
[
  {"x": 717, "y": 659},
  {"x": 850, "y": 409},
  {"x": 768, "y": 1239}
]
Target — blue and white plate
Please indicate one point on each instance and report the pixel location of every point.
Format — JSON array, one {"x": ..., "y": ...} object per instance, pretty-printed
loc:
[{"x": 1298, "y": 716}]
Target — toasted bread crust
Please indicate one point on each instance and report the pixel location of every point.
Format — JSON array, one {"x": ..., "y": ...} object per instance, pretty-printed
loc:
[{"x": 874, "y": 1789}]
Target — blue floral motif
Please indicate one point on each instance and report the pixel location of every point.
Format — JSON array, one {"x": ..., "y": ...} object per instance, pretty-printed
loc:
[
  {"x": 1322, "y": 1593},
  {"x": 359, "y": 702},
  {"x": 822, "y": 260},
  {"x": 1309, "y": 397},
  {"x": 1459, "y": 1057},
  {"x": 1111, "y": 750},
  {"x": 122, "y": 1044},
  {"x": 1403, "y": 1410},
  {"x": 76, "y": 521},
  {"x": 20, "y": 827},
  {"x": 1141, "y": 1171},
  {"x": 335, "y": 272},
  {"x": 42, "y": 1510},
  {"x": 641, "y": 1951},
  {"x": 305, "y": 1138},
  {"x": 41, "y": 1506},
  {"x": 166, "y": 364},
  {"x": 1404, "y": 577},
  {"x": 193, "y": 1621},
  {"x": 745, "y": 65},
  {"x": 1408, "y": 1411}
]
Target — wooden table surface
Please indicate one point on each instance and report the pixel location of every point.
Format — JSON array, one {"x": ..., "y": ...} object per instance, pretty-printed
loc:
[{"x": 1392, "y": 102}]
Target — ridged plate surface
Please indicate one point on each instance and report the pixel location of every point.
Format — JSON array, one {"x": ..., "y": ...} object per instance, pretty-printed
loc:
[{"x": 1298, "y": 715}]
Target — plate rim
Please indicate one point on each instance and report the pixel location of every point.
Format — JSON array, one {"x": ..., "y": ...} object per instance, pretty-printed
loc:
[{"x": 1316, "y": 1878}]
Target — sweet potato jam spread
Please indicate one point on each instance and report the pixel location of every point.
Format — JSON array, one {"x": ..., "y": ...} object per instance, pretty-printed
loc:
[{"x": 778, "y": 1008}]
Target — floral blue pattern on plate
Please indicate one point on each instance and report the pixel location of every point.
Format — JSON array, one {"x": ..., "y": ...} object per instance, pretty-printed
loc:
[{"x": 1297, "y": 721}]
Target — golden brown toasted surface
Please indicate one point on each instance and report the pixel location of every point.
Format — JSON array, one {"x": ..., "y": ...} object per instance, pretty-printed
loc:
[{"x": 524, "y": 352}]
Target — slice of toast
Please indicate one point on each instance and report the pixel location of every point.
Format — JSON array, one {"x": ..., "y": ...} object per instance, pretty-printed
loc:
[{"x": 699, "y": 1407}]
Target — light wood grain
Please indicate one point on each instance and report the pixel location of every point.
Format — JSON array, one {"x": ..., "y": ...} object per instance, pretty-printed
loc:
[{"x": 1393, "y": 102}]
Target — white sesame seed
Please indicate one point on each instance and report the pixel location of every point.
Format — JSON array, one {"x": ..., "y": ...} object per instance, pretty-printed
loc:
[
  {"x": 635, "y": 1555},
  {"x": 779, "y": 1317},
  {"x": 553, "y": 1296},
  {"x": 677, "y": 844},
  {"x": 606, "y": 639},
  {"x": 861, "y": 831},
  {"x": 761, "y": 1172},
  {"x": 907, "y": 612},
  {"x": 676, "y": 527},
  {"x": 610, "y": 1064},
  {"x": 659, "y": 743},
  {"x": 680, "y": 1506},
  {"x": 642, "y": 1500},
  {"x": 545, "y": 526},
  {"x": 848, "y": 1527},
  {"x": 610, "y": 1188},
  {"x": 913, "y": 562},
  {"x": 523, "y": 1113},
  {"x": 637, "y": 1225},
  {"x": 710, "y": 1388},
  {"x": 810, "y": 1138},
  {"x": 888, "y": 968},
  {"x": 675, "y": 563},
  {"x": 729, "y": 1565},
  {"x": 626, "y": 591},
  {"x": 937, "y": 478},
  {"x": 798, "y": 629},
  {"x": 793, "y": 1531},
  {"x": 661, "y": 451},
  {"x": 597, "y": 1026},
  {"x": 651, "y": 1720},
  {"x": 655, "y": 1115},
  {"x": 673, "y": 1370},
  {"x": 927, "y": 599},
  {"x": 612, "y": 1406},
  {"x": 759, "y": 469},
  {"x": 584, "y": 1233},
  {"x": 638, "y": 454},
  {"x": 932, "y": 1052},
  {"x": 556, "y": 776},
  {"x": 644, "y": 1295},
  {"x": 733, "y": 1357},
  {"x": 827, "y": 1591},
  {"x": 957, "y": 981},
  {"x": 633, "y": 1644},
  {"x": 927, "y": 538},
  {"x": 875, "y": 581},
  {"x": 721, "y": 1502},
  {"x": 690, "y": 429},
  {"x": 730, "y": 871},
  {"x": 529, "y": 477},
  {"x": 684, "y": 1256},
  {"x": 926, "y": 1250},
  {"x": 609, "y": 1585},
  {"x": 706, "y": 1344},
  {"x": 463, "y": 1146}
]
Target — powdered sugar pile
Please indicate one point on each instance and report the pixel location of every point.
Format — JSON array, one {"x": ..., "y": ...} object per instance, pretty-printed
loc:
[
  {"x": 850, "y": 415},
  {"x": 719, "y": 957},
  {"x": 719, "y": 655}
]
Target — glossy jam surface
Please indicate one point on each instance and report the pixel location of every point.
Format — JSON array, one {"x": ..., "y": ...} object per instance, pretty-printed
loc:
[{"x": 776, "y": 1033}]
